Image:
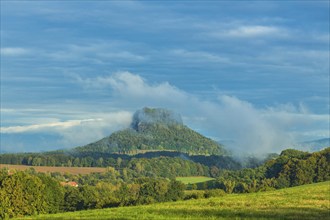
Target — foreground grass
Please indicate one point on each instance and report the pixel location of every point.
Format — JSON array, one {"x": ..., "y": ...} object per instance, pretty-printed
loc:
[
  {"x": 193, "y": 179},
  {"x": 303, "y": 202}
]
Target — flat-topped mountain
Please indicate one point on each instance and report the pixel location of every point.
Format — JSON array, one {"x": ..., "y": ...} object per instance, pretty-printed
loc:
[
  {"x": 155, "y": 129},
  {"x": 155, "y": 116}
]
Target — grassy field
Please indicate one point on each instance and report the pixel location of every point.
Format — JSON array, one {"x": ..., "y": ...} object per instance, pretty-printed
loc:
[
  {"x": 303, "y": 202},
  {"x": 45, "y": 169},
  {"x": 194, "y": 179}
]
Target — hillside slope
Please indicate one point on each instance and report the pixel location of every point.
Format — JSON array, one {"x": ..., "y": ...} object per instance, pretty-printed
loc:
[
  {"x": 302, "y": 202},
  {"x": 155, "y": 129}
]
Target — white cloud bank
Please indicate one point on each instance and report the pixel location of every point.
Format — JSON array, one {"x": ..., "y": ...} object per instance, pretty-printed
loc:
[
  {"x": 73, "y": 133},
  {"x": 252, "y": 130},
  {"x": 40, "y": 127}
]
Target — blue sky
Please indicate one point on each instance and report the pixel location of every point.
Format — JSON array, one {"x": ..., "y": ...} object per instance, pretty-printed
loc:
[{"x": 256, "y": 73}]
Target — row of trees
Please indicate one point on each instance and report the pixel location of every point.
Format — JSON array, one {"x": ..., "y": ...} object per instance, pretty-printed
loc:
[
  {"x": 58, "y": 159},
  {"x": 183, "y": 164},
  {"x": 30, "y": 193},
  {"x": 168, "y": 167},
  {"x": 105, "y": 195},
  {"x": 291, "y": 168}
]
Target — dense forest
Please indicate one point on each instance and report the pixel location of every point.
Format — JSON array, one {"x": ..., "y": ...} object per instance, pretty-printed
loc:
[
  {"x": 121, "y": 161},
  {"x": 30, "y": 193},
  {"x": 150, "y": 180},
  {"x": 291, "y": 168}
]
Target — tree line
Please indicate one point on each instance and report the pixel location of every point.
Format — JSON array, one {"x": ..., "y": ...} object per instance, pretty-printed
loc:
[
  {"x": 291, "y": 168},
  {"x": 62, "y": 158},
  {"x": 30, "y": 193}
]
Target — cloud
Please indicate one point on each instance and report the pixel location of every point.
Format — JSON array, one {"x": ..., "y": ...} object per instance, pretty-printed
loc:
[
  {"x": 133, "y": 88},
  {"x": 42, "y": 127},
  {"x": 253, "y": 31},
  {"x": 72, "y": 132},
  {"x": 253, "y": 130},
  {"x": 101, "y": 52},
  {"x": 14, "y": 51},
  {"x": 200, "y": 56},
  {"x": 248, "y": 31},
  {"x": 96, "y": 129}
]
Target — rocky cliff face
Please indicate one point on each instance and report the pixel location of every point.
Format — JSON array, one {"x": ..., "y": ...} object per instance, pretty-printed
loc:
[{"x": 155, "y": 116}]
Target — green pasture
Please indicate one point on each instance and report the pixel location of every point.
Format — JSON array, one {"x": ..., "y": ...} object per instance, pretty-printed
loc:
[
  {"x": 193, "y": 179},
  {"x": 302, "y": 202}
]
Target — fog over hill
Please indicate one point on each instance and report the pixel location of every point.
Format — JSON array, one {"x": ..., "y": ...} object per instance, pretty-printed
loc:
[
  {"x": 155, "y": 115},
  {"x": 155, "y": 129}
]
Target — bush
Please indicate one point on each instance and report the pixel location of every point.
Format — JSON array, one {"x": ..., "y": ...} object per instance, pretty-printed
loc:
[
  {"x": 194, "y": 194},
  {"x": 214, "y": 193}
]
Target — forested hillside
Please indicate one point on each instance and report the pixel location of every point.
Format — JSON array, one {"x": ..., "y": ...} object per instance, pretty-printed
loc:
[
  {"x": 155, "y": 129},
  {"x": 291, "y": 168}
]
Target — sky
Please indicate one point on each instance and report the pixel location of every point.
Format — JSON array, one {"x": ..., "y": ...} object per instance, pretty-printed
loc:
[{"x": 253, "y": 75}]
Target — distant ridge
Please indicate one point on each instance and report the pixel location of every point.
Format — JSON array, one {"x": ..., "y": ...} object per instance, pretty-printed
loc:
[
  {"x": 155, "y": 129},
  {"x": 314, "y": 145}
]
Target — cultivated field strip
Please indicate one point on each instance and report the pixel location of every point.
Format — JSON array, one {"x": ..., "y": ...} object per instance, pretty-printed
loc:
[{"x": 46, "y": 169}]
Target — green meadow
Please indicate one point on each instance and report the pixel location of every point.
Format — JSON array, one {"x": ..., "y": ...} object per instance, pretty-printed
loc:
[
  {"x": 193, "y": 179},
  {"x": 303, "y": 202}
]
